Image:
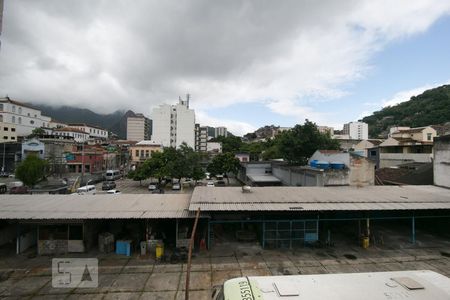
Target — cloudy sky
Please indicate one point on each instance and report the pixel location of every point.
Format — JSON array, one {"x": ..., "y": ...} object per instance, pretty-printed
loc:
[{"x": 245, "y": 63}]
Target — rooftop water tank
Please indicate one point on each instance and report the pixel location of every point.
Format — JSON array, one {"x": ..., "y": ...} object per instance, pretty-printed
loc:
[
  {"x": 338, "y": 165},
  {"x": 323, "y": 165},
  {"x": 313, "y": 163}
]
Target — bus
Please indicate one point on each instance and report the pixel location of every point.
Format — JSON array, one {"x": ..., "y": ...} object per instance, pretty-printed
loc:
[
  {"x": 112, "y": 175},
  {"x": 411, "y": 285}
]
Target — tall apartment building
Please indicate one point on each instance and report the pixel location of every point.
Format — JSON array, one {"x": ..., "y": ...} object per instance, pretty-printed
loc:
[
  {"x": 24, "y": 117},
  {"x": 221, "y": 131},
  {"x": 174, "y": 124},
  {"x": 139, "y": 128},
  {"x": 201, "y": 138},
  {"x": 356, "y": 130}
]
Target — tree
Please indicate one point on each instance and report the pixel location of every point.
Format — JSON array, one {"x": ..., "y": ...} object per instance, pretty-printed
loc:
[
  {"x": 138, "y": 175},
  {"x": 299, "y": 143},
  {"x": 37, "y": 132},
  {"x": 224, "y": 163},
  {"x": 31, "y": 170},
  {"x": 229, "y": 144}
]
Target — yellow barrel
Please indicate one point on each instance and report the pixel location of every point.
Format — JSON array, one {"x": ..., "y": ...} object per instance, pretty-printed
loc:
[
  {"x": 365, "y": 242},
  {"x": 159, "y": 250}
]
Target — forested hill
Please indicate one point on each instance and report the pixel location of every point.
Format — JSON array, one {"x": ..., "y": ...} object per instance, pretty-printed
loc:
[{"x": 432, "y": 107}]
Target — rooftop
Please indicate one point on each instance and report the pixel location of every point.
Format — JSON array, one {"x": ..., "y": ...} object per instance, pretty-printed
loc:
[
  {"x": 320, "y": 198},
  {"x": 124, "y": 206}
]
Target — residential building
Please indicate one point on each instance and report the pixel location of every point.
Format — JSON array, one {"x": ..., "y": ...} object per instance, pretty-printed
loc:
[
  {"x": 363, "y": 147},
  {"x": 213, "y": 147},
  {"x": 8, "y": 132},
  {"x": 139, "y": 128},
  {"x": 221, "y": 131},
  {"x": 441, "y": 161},
  {"x": 23, "y": 116},
  {"x": 56, "y": 124},
  {"x": 326, "y": 129},
  {"x": 243, "y": 157},
  {"x": 201, "y": 138},
  {"x": 86, "y": 159},
  {"x": 357, "y": 130},
  {"x": 80, "y": 136},
  {"x": 419, "y": 134},
  {"x": 396, "y": 151},
  {"x": 174, "y": 124},
  {"x": 94, "y": 132},
  {"x": 10, "y": 154},
  {"x": 142, "y": 151}
]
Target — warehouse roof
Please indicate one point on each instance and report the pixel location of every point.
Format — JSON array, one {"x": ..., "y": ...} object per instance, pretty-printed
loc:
[
  {"x": 124, "y": 206},
  {"x": 320, "y": 198}
]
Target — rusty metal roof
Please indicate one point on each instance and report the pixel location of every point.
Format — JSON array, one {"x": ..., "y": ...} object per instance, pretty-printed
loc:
[
  {"x": 321, "y": 198},
  {"x": 124, "y": 206}
]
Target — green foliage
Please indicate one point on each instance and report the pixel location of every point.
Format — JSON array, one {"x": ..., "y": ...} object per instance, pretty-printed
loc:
[
  {"x": 223, "y": 163},
  {"x": 174, "y": 163},
  {"x": 138, "y": 175},
  {"x": 31, "y": 170},
  {"x": 299, "y": 143},
  {"x": 37, "y": 132},
  {"x": 230, "y": 144},
  {"x": 429, "y": 108}
]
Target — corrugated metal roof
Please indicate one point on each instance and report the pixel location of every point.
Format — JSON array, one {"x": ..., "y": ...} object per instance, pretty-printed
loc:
[
  {"x": 321, "y": 198},
  {"x": 124, "y": 206}
]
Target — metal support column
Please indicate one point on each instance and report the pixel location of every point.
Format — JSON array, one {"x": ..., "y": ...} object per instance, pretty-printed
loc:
[
  {"x": 17, "y": 238},
  {"x": 413, "y": 225},
  {"x": 264, "y": 235},
  {"x": 208, "y": 239},
  {"x": 176, "y": 231}
]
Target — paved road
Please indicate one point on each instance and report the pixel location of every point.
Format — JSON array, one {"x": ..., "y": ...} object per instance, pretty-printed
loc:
[{"x": 142, "y": 278}]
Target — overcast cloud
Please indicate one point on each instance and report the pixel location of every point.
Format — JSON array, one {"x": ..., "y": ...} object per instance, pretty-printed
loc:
[{"x": 108, "y": 55}]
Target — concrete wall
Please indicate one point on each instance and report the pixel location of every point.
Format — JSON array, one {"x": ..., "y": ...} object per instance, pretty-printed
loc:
[
  {"x": 441, "y": 162},
  {"x": 47, "y": 247},
  {"x": 362, "y": 171},
  {"x": 394, "y": 159},
  {"x": 331, "y": 157}
]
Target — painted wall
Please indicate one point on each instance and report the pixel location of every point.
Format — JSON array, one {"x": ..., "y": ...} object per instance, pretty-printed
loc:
[{"x": 441, "y": 161}]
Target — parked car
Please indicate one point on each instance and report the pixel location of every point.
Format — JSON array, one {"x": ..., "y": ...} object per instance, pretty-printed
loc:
[
  {"x": 3, "y": 188},
  {"x": 158, "y": 191},
  {"x": 4, "y": 174},
  {"x": 210, "y": 184},
  {"x": 18, "y": 190},
  {"x": 152, "y": 186},
  {"x": 176, "y": 186},
  {"x": 108, "y": 185},
  {"x": 113, "y": 192},
  {"x": 221, "y": 183}
]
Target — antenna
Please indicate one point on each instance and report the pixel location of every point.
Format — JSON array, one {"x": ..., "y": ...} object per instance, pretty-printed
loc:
[{"x": 188, "y": 97}]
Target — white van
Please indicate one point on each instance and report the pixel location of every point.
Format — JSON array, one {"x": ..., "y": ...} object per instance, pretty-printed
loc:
[
  {"x": 112, "y": 174},
  {"x": 88, "y": 189}
]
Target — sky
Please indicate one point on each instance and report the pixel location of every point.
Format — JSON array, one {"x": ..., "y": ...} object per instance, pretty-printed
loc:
[{"x": 245, "y": 64}]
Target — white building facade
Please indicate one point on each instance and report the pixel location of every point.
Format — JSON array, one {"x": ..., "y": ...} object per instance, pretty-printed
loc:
[
  {"x": 174, "y": 124},
  {"x": 221, "y": 131},
  {"x": 93, "y": 131},
  {"x": 78, "y": 135},
  {"x": 357, "y": 130},
  {"x": 24, "y": 117},
  {"x": 8, "y": 132}
]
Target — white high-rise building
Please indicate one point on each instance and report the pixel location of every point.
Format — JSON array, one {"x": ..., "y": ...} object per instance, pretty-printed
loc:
[
  {"x": 174, "y": 124},
  {"x": 357, "y": 130},
  {"x": 221, "y": 131}
]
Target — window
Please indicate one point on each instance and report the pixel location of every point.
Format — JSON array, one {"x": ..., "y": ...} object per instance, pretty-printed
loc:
[
  {"x": 1, "y": 118},
  {"x": 429, "y": 136},
  {"x": 137, "y": 152},
  {"x": 5, "y": 129},
  {"x": 1, "y": 106},
  {"x": 20, "y": 110},
  {"x": 13, "y": 108},
  {"x": 5, "y": 137},
  {"x": 20, "y": 120},
  {"x": 13, "y": 137},
  {"x": 31, "y": 122},
  {"x": 13, "y": 130},
  {"x": 13, "y": 119}
]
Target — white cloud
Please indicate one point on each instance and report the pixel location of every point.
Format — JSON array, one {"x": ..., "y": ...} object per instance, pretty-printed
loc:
[
  {"x": 403, "y": 96},
  {"x": 107, "y": 56},
  {"x": 233, "y": 126}
]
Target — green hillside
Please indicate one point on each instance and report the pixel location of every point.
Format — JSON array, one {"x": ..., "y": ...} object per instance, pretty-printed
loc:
[{"x": 432, "y": 107}]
